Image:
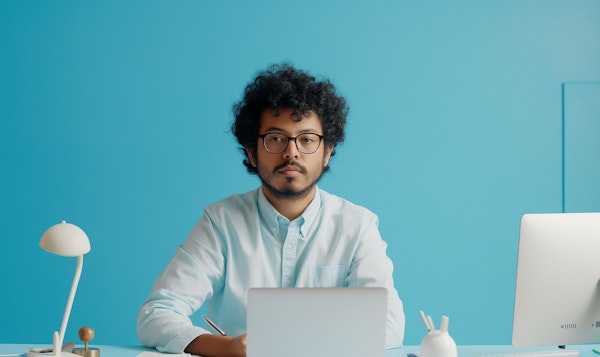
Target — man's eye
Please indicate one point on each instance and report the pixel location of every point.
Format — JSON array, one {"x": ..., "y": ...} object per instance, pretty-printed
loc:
[{"x": 308, "y": 139}]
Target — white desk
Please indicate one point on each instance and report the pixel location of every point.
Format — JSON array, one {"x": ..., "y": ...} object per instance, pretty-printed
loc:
[
  {"x": 478, "y": 350},
  {"x": 463, "y": 351}
]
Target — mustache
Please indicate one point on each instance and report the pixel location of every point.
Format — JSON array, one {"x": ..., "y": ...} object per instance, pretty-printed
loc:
[{"x": 290, "y": 163}]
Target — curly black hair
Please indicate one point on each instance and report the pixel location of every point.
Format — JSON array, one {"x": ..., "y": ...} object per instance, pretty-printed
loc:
[{"x": 283, "y": 86}]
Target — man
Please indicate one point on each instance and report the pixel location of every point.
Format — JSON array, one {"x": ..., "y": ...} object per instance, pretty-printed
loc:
[{"x": 287, "y": 233}]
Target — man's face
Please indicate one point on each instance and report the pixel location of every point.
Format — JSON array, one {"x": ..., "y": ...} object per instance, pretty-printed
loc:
[{"x": 290, "y": 174}]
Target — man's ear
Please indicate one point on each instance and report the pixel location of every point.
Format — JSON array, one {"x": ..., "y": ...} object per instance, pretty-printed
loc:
[
  {"x": 328, "y": 151},
  {"x": 251, "y": 155}
]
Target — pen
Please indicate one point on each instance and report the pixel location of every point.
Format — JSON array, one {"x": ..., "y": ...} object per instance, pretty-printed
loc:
[
  {"x": 213, "y": 325},
  {"x": 430, "y": 323},
  {"x": 425, "y": 322}
]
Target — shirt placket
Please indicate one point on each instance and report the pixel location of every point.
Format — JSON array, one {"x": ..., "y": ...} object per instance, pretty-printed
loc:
[{"x": 288, "y": 266}]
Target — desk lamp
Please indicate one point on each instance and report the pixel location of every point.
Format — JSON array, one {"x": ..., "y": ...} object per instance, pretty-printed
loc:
[{"x": 70, "y": 241}]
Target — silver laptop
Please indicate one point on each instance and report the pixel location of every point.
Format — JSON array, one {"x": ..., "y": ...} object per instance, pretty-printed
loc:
[{"x": 316, "y": 322}]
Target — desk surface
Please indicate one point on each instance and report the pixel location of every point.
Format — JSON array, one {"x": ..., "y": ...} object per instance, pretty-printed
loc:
[{"x": 463, "y": 351}]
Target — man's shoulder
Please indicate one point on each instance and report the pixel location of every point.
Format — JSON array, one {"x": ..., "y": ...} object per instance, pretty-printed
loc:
[
  {"x": 336, "y": 203},
  {"x": 245, "y": 202}
]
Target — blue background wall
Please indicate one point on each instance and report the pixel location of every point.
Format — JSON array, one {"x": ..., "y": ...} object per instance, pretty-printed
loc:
[{"x": 115, "y": 116}]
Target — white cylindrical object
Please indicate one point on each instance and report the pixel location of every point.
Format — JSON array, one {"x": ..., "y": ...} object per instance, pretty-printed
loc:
[
  {"x": 56, "y": 349},
  {"x": 444, "y": 324}
]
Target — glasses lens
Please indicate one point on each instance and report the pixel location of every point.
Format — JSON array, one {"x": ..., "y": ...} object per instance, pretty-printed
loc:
[
  {"x": 308, "y": 143},
  {"x": 275, "y": 143}
]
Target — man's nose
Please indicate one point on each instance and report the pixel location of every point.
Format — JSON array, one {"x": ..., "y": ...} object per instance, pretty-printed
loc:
[{"x": 291, "y": 151}]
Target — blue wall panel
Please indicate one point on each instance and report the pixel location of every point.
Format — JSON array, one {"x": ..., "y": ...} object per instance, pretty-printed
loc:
[{"x": 115, "y": 116}]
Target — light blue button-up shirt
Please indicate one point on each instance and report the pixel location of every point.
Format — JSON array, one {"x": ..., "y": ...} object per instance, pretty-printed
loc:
[{"x": 243, "y": 242}]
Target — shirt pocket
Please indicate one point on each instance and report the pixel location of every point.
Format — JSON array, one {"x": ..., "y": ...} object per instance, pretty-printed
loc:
[{"x": 326, "y": 276}]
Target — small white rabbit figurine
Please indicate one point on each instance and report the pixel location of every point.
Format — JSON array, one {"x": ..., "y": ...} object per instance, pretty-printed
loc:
[{"x": 437, "y": 343}]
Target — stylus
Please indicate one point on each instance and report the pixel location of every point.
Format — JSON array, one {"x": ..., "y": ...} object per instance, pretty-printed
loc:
[
  {"x": 213, "y": 325},
  {"x": 425, "y": 322},
  {"x": 431, "y": 323}
]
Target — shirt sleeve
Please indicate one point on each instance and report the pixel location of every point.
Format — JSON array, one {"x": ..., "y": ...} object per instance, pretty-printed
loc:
[
  {"x": 372, "y": 267},
  {"x": 189, "y": 279}
]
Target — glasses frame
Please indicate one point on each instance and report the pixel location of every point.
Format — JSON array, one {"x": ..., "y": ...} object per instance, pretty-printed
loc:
[{"x": 290, "y": 138}]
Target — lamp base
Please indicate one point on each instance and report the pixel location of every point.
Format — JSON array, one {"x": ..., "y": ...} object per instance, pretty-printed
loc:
[{"x": 90, "y": 352}]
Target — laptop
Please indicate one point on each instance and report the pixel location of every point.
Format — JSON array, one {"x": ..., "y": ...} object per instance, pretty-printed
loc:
[{"x": 316, "y": 322}]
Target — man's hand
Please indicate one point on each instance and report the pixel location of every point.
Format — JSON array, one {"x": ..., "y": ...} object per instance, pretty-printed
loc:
[{"x": 208, "y": 345}]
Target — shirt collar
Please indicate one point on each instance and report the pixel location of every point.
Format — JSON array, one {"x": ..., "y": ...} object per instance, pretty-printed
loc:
[{"x": 272, "y": 217}]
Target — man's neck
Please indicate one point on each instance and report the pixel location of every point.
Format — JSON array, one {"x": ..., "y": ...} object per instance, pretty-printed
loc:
[{"x": 291, "y": 208}]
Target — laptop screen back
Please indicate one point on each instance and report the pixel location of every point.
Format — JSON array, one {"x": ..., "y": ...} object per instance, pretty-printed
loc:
[{"x": 316, "y": 322}]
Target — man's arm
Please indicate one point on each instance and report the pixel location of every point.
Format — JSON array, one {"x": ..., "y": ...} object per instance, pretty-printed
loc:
[
  {"x": 372, "y": 267},
  {"x": 189, "y": 279}
]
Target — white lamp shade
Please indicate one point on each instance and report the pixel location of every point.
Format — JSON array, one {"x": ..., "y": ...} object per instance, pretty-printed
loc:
[{"x": 65, "y": 239}]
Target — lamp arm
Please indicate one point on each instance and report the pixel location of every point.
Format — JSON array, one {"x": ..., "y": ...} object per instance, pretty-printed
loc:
[{"x": 67, "y": 313}]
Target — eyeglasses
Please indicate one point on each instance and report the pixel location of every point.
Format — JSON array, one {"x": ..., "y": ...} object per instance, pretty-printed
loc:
[{"x": 276, "y": 143}]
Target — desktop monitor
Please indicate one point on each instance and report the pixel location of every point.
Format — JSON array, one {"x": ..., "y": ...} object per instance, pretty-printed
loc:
[{"x": 557, "y": 297}]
